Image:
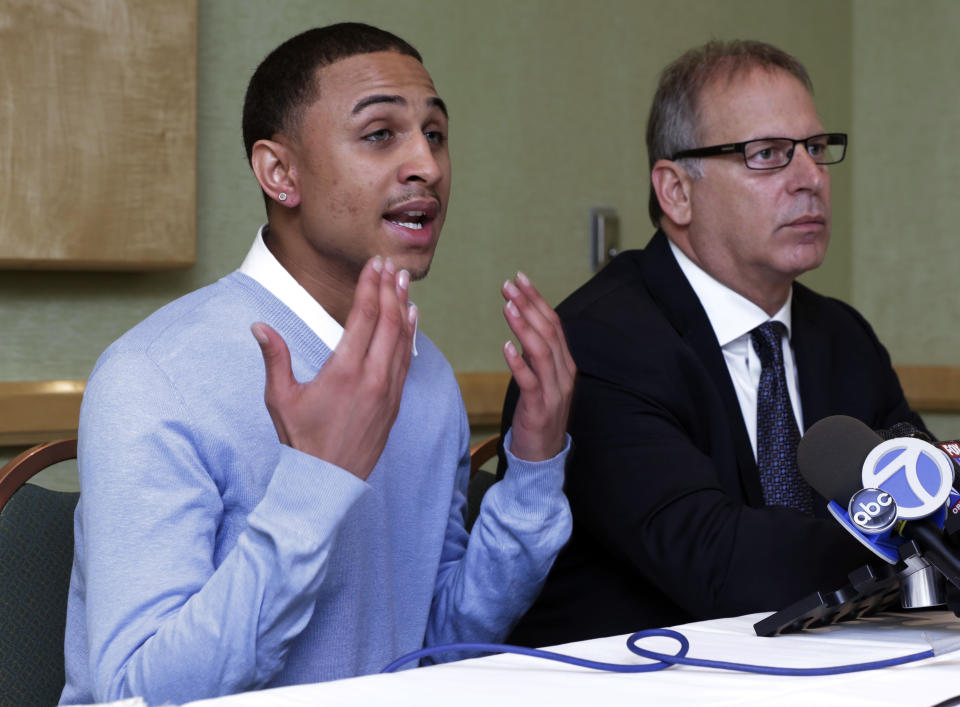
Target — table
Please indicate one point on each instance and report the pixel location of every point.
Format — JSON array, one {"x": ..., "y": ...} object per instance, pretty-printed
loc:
[{"x": 505, "y": 680}]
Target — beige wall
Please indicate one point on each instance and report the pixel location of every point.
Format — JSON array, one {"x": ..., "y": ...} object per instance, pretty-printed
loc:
[
  {"x": 548, "y": 101},
  {"x": 906, "y": 171}
]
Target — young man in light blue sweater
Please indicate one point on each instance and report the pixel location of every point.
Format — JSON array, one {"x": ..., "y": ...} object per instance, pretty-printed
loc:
[{"x": 288, "y": 507}]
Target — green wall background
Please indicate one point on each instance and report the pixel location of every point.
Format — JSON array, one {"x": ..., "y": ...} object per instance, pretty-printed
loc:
[
  {"x": 906, "y": 180},
  {"x": 548, "y": 102}
]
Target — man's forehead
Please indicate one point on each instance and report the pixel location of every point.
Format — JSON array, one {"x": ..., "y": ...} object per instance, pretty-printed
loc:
[
  {"x": 361, "y": 80},
  {"x": 756, "y": 102}
]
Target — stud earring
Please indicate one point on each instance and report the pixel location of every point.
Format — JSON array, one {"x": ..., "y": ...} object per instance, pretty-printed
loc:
[{"x": 282, "y": 196}]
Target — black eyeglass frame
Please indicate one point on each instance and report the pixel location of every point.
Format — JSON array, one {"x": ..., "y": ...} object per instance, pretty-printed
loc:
[{"x": 741, "y": 147}]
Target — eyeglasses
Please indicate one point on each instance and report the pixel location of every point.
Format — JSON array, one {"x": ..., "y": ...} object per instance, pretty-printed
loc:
[{"x": 776, "y": 152}]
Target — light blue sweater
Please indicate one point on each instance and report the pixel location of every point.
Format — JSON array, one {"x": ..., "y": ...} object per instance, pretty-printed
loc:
[{"x": 211, "y": 559}]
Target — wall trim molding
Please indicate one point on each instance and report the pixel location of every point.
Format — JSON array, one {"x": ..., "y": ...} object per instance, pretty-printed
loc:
[
  {"x": 40, "y": 411},
  {"x": 931, "y": 388}
]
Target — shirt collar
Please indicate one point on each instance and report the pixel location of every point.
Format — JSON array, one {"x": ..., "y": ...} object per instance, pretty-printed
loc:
[
  {"x": 731, "y": 314},
  {"x": 261, "y": 265}
]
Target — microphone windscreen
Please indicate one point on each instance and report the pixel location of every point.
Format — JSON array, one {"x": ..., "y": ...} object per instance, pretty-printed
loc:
[
  {"x": 904, "y": 429},
  {"x": 830, "y": 456}
]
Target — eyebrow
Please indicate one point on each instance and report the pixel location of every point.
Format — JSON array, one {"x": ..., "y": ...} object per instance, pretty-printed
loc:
[{"x": 364, "y": 103}]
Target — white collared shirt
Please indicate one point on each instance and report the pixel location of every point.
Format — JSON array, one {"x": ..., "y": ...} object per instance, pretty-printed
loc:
[
  {"x": 733, "y": 317},
  {"x": 261, "y": 265}
]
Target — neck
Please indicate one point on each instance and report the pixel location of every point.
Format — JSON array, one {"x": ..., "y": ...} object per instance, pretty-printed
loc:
[
  {"x": 331, "y": 286},
  {"x": 768, "y": 295},
  {"x": 769, "y": 302},
  {"x": 768, "y": 290}
]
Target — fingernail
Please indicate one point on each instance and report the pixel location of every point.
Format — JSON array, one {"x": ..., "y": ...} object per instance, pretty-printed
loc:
[
  {"x": 524, "y": 280},
  {"x": 377, "y": 263},
  {"x": 412, "y": 313},
  {"x": 510, "y": 349},
  {"x": 511, "y": 288},
  {"x": 512, "y": 308},
  {"x": 259, "y": 334},
  {"x": 390, "y": 267},
  {"x": 403, "y": 279}
]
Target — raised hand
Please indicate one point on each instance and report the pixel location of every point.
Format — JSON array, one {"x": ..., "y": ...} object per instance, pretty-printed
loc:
[
  {"x": 544, "y": 372},
  {"x": 345, "y": 413}
]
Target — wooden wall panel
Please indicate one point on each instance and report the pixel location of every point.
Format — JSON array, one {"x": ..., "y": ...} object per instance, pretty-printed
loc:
[
  {"x": 931, "y": 388},
  {"x": 38, "y": 411},
  {"x": 98, "y": 134}
]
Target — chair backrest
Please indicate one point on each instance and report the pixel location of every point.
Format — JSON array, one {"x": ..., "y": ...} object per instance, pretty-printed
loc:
[
  {"x": 480, "y": 481},
  {"x": 482, "y": 452},
  {"x": 23, "y": 466},
  {"x": 36, "y": 555}
]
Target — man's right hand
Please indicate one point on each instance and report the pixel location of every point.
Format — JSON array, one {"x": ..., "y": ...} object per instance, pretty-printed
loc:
[{"x": 345, "y": 413}]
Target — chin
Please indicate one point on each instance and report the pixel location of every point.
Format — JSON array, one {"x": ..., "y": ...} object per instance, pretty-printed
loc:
[
  {"x": 807, "y": 257},
  {"x": 417, "y": 264},
  {"x": 419, "y": 273}
]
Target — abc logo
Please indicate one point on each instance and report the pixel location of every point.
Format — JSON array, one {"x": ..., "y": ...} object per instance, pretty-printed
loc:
[
  {"x": 917, "y": 474},
  {"x": 872, "y": 510}
]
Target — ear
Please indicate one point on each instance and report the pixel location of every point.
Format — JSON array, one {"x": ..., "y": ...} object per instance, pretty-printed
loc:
[
  {"x": 272, "y": 164},
  {"x": 673, "y": 187}
]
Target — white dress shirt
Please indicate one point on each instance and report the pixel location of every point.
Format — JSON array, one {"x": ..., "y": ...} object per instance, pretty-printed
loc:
[{"x": 733, "y": 317}]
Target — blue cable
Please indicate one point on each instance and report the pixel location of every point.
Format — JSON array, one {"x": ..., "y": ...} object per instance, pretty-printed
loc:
[
  {"x": 661, "y": 660},
  {"x": 681, "y": 659}
]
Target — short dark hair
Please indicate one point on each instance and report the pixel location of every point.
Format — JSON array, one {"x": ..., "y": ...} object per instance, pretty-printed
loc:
[
  {"x": 674, "y": 121},
  {"x": 286, "y": 81}
]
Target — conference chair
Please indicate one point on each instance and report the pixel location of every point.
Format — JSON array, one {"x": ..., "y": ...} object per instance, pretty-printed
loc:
[
  {"x": 36, "y": 554},
  {"x": 480, "y": 480}
]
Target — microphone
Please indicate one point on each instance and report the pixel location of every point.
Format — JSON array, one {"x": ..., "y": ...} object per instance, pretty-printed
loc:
[
  {"x": 952, "y": 449},
  {"x": 904, "y": 429},
  {"x": 830, "y": 456},
  {"x": 892, "y": 492},
  {"x": 891, "y": 495}
]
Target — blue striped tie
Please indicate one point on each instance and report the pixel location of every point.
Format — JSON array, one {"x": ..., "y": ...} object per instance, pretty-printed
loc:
[{"x": 777, "y": 434}]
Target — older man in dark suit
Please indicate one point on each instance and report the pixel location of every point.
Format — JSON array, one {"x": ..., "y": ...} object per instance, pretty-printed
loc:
[{"x": 701, "y": 360}]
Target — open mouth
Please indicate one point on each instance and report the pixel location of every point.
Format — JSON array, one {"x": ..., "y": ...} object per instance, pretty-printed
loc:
[
  {"x": 413, "y": 220},
  {"x": 414, "y": 215}
]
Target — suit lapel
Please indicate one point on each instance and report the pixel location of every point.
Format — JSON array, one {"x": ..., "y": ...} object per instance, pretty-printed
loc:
[
  {"x": 677, "y": 300},
  {"x": 812, "y": 356},
  {"x": 811, "y": 351}
]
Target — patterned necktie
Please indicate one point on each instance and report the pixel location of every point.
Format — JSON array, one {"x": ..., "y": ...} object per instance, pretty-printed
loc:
[{"x": 777, "y": 434}]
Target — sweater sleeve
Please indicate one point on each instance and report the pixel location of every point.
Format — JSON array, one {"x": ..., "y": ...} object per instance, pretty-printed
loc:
[
  {"x": 165, "y": 619},
  {"x": 487, "y": 580}
]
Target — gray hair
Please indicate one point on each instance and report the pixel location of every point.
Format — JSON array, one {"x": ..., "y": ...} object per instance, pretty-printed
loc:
[{"x": 674, "y": 121}]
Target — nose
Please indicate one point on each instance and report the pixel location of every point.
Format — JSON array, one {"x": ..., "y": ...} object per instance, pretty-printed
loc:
[
  {"x": 421, "y": 163},
  {"x": 806, "y": 174}
]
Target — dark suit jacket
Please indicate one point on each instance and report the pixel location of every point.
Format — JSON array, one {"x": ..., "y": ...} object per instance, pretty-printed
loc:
[{"x": 669, "y": 522}]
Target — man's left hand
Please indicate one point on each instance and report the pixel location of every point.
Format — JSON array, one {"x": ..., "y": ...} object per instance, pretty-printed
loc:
[{"x": 544, "y": 372}]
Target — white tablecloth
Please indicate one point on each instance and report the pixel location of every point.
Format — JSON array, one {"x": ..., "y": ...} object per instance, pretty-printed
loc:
[{"x": 504, "y": 680}]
